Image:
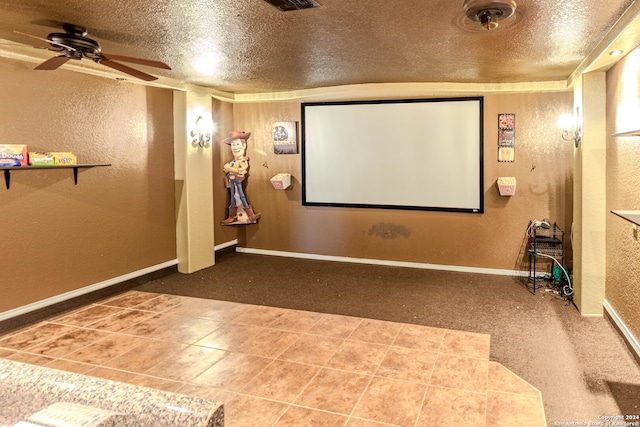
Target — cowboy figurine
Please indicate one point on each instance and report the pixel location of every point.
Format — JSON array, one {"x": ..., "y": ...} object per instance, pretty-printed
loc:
[{"x": 237, "y": 170}]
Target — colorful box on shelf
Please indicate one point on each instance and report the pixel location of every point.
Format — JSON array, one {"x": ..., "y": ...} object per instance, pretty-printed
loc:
[
  {"x": 13, "y": 155},
  {"x": 63, "y": 159},
  {"x": 51, "y": 158},
  {"x": 507, "y": 185},
  {"x": 41, "y": 159},
  {"x": 281, "y": 181}
]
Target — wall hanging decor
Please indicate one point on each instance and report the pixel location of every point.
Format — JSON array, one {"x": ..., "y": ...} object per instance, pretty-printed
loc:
[
  {"x": 281, "y": 181},
  {"x": 507, "y": 185},
  {"x": 285, "y": 138},
  {"x": 506, "y": 137}
]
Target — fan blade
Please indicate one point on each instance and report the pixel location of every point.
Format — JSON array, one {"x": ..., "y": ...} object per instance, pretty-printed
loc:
[
  {"x": 53, "y": 63},
  {"x": 126, "y": 69},
  {"x": 46, "y": 40},
  {"x": 134, "y": 60}
]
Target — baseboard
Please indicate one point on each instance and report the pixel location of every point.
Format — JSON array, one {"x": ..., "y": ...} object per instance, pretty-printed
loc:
[
  {"x": 630, "y": 339},
  {"x": 225, "y": 245},
  {"x": 455, "y": 268},
  {"x": 30, "y": 313}
]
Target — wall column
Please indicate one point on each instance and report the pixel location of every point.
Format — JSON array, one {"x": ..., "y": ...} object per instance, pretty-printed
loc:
[
  {"x": 193, "y": 184},
  {"x": 589, "y": 206}
]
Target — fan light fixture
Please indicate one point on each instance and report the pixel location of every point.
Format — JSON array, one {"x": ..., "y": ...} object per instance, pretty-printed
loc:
[
  {"x": 489, "y": 12},
  {"x": 571, "y": 130}
]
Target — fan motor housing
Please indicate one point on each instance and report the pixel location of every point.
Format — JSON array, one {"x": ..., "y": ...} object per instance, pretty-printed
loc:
[
  {"x": 74, "y": 36},
  {"x": 288, "y": 5},
  {"x": 79, "y": 43}
]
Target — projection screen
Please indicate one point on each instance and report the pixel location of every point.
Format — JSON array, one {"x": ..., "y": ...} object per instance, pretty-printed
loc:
[{"x": 400, "y": 154}]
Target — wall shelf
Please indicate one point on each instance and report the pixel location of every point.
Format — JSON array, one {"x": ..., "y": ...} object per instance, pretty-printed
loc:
[
  {"x": 7, "y": 170},
  {"x": 627, "y": 133},
  {"x": 631, "y": 216}
]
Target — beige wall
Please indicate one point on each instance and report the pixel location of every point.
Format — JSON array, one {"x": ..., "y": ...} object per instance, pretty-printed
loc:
[
  {"x": 623, "y": 184},
  {"x": 495, "y": 239},
  {"x": 58, "y": 237}
]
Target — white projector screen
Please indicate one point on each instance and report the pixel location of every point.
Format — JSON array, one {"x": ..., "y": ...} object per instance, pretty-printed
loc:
[{"x": 401, "y": 154}]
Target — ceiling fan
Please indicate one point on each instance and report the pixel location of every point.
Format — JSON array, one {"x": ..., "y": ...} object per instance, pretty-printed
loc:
[{"x": 74, "y": 45}]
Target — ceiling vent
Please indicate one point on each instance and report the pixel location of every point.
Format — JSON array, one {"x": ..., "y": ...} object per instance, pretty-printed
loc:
[
  {"x": 287, "y": 5},
  {"x": 489, "y": 12}
]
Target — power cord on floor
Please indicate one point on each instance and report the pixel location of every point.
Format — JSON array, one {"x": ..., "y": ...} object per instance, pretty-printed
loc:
[{"x": 567, "y": 289}]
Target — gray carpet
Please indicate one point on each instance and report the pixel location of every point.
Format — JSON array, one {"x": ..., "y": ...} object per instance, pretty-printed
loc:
[{"x": 581, "y": 365}]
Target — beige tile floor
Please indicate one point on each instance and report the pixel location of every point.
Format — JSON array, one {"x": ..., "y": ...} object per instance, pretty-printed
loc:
[{"x": 279, "y": 367}]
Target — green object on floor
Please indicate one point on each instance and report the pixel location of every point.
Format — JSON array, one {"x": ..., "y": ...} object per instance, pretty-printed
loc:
[{"x": 557, "y": 273}]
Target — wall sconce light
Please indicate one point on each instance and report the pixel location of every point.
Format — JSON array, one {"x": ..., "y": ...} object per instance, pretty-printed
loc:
[
  {"x": 571, "y": 130},
  {"x": 200, "y": 137}
]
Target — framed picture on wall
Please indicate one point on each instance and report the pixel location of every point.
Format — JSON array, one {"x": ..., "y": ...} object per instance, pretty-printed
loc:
[
  {"x": 285, "y": 138},
  {"x": 506, "y": 137}
]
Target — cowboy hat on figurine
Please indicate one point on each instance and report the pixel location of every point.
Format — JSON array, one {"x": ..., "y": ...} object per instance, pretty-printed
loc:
[{"x": 237, "y": 134}]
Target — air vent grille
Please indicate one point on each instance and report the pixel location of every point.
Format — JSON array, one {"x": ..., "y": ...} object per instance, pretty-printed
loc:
[{"x": 287, "y": 5}]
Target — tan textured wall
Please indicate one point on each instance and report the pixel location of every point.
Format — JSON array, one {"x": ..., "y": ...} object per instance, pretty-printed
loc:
[
  {"x": 623, "y": 182},
  {"x": 494, "y": 239},
  {"x": 58, "y": 237}
]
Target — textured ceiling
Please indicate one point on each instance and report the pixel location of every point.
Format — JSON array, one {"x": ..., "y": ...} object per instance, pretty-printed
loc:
[{"x": 249, "y": 46}]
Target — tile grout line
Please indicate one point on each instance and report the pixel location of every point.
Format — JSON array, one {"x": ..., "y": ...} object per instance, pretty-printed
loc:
[
  {"x": 428, "y": 384},
  {"x": 292, "y": 403},
  {"x": 272, "y": 359},
  {"x": 486, "y": 407},
  {"x": 372, "y": 376},
  {"x": 320, "y": 368}
]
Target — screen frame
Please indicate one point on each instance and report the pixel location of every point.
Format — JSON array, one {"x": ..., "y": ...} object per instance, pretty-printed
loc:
[{"x": 475, "y": 208}]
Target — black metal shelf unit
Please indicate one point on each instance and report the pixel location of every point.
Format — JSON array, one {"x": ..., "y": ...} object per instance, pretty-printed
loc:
[{"x": 545, "y": 244}]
